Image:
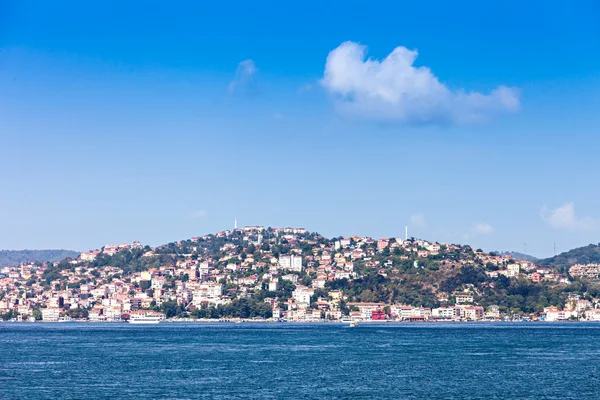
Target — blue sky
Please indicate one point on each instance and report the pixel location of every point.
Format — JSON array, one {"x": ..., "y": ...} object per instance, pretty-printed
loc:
[{"x": 468, "y": 122}]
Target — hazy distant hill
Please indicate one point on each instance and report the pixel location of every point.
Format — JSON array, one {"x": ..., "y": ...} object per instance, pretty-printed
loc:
[
  {"x": 581, "y": 255},
  {"x": 520, "y": 256},
  {"x": 15, "y": 257}
]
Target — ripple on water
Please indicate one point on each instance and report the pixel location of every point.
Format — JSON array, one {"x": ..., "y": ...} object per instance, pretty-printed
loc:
[{"x": 180, "y": 361}]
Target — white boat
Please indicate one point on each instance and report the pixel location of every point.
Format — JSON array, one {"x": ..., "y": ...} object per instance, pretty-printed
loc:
[
  {"x": 353, "y": 324},
  {"x": 146, "y": 318}
]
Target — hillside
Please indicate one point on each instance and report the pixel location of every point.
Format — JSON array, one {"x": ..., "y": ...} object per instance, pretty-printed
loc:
[
  {"x": 412, "y": 272},
  {"x": 582, "y": 255},
  {"x": 15, "y": 257},
  {"x": 289, "y": 272}
]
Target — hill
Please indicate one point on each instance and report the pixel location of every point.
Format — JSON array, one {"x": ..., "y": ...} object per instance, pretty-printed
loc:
[
  {"x": 15, "y": 257},
  {"x": 244, "y": 262},
  {"x": 290, "y": 273},
  {"x": 582, "y": 255}
]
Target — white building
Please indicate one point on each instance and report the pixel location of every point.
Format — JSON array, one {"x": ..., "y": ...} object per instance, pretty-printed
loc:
[
  {"x": 88, "y": 256},
  {"x": 207, "y": 293},
  {"x": 593, "y": 315},
  {"x": 462, "y": 298},
  {"x": 50, "y": 314},
  {"x": 443, "y": 312},
  {"x": 113, "y": 313},
  {"x": 273, "y": 284},
  {"x": 157, "y": 282},
  {"x": 290, "y": 277},
  {"x": 302, "y": 294},
  {"x": 319, "y": 283},
  {"x": 293, "y": 263},
  {"x": 560, "y": 315},
  {"x": 513, "y": 269}
]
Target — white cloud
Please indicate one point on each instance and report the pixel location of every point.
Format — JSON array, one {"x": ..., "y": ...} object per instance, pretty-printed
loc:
[
  {"x": 418, "y": 220},
  {"x": 198, "y": 214},
  {"x": 481, "y": 228},
  {"x": 396, "y": 90},
  {"x": 564, "y": 217},
  {"x": 244, "y": 75}
]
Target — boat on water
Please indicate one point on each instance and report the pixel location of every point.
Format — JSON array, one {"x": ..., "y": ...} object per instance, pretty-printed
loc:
[
  {"x": 353, "y": 324},
  {"x": 146, "y": 318}
]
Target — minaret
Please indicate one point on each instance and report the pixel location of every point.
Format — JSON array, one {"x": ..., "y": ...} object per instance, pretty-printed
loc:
[
  {"x": 406, "y": 233},
  {"x": 234, "y": 224}
]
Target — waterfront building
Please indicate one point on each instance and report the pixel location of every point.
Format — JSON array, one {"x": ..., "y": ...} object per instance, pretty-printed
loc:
[{"x": 51, "y": 314}]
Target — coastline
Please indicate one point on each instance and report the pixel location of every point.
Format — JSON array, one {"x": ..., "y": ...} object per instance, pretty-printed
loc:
[{"x": 253, "y": 321}]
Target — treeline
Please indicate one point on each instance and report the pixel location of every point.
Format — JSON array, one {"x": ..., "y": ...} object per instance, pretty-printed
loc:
[
  {"x": 238, "y": 308},
  {"x": 377, "y": 288},
  {"x": 130, "y": 261},
  {"x": 527, "y": 296}
]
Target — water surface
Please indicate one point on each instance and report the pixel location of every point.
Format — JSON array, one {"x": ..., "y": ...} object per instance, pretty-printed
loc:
[{"x": 291, "y": 361}]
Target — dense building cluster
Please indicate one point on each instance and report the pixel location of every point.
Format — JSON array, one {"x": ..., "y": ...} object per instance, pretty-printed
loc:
[{"x": 290, "y": 274}]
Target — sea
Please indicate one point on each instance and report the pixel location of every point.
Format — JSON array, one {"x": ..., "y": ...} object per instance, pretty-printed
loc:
[{"x": 300, "y": 361}]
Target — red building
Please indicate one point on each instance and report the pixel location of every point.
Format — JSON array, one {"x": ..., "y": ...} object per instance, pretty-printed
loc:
[
  {"x": 378, "y": 315},
  {"x": 536, "y": 277}
]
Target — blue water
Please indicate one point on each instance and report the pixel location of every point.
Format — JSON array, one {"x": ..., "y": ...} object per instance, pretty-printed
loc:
[{"x": 291, "y": 361}]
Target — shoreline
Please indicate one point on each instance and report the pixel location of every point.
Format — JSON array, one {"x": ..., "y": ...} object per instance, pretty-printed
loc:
[{"x": 238, "y": 321}]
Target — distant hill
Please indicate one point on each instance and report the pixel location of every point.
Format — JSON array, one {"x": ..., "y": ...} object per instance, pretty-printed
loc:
[
  {"x": 581, "y": 255},
  {"x": 15, "y": 257},
  {"x": 520, "y": 256}
]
